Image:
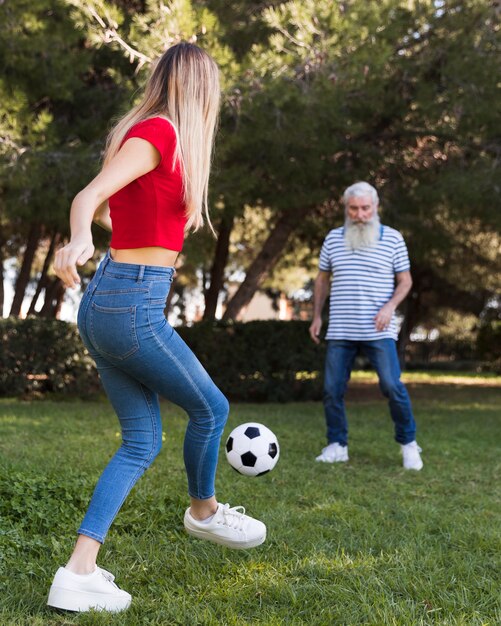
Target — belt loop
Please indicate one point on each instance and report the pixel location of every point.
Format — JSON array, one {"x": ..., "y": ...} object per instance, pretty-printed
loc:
[{"x": 141, "y": 273}]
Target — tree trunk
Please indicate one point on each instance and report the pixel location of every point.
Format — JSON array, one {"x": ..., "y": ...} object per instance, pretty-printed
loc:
[
  {"x": 25, "y": 271},
  {"x": 412, "y": 316},
  {"x": 403, "y": 337},
  {"x": 170, "y": 295},
  {"x": 2, "y": 291},
  {"x": 43, "y": 277},
  {"x": 58, "y": 299},
  {"x": 54, "y": 293},
  {"x": 263, "y": 263},
  {"x": 2, "y": 269},
  {"x": 217, "y": 270}
]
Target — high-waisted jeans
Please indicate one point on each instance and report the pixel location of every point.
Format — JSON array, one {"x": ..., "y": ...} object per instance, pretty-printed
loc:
[{"x": 139, "y": 356}]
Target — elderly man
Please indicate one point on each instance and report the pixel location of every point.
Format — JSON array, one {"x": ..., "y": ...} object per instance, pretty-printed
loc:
[{"x": 370, "y": 278}]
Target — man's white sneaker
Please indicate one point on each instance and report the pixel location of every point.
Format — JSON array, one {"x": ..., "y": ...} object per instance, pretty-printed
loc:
[
  {"x": 333, "y": 453},
  {"x": 82, "y": 592},
  {"x": 412, "y": 457},
  {"x": 228, "y": 527}
]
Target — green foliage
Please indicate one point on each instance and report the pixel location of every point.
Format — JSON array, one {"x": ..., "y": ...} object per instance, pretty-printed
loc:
[
  {"x": 44, "y": 356},
  {"x": 316, "y": 95},
  {"x": 259, "y": 361},
  {"x": 242, "y": 22},
  {"x": 58, "y": 95},
  {"x": 445, "y": 353},
  {"x": 270, "y": 360},
  {"x": 264, "y": 361},
  {"x": 29, "y": 501},
  {"x": 384, "y": 92},
  {"x": 489, "y": 340}
]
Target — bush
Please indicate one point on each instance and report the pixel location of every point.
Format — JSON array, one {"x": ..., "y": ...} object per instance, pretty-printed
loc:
[
  {"x": 258, "y": 361},
  {"x": 44, "y": 356},
  {"x": 261, "y": 360},
  {"x": 255, "y": 361},
  {"x": 489, "y": 340},
  {"x": 444, "y": 350}
]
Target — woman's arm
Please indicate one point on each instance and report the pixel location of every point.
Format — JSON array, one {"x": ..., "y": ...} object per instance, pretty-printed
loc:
[
  {"x": 136, "y": 158},
  {"x": 102, "y": 216}
]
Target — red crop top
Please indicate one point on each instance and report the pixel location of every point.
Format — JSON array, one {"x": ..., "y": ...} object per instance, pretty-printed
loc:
[{"x": 150, "y": 210}]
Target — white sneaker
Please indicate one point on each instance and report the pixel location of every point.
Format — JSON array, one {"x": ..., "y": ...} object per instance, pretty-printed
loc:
[
  {"x": 412, "y": 458},
  {"x": 228, "y": 527},
  {"x": 333, "y": 453},
  {"x": 82, "y": 592}
]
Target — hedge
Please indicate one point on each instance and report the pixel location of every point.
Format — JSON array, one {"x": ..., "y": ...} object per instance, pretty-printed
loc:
[
  {"x": 253, "y": 361},
  {"x": 40, "y": 356},
  {"x": 261, "y": 360}
]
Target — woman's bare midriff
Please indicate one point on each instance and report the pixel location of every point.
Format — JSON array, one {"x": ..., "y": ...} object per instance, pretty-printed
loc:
[{"x": 145, "y": 256}]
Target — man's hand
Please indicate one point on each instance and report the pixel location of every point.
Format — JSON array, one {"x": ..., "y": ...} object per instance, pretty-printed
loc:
[
  {"x": 383, "y": 318},
  {"x": 76, "y": 252},
  {"x": 315, "y": 327}
]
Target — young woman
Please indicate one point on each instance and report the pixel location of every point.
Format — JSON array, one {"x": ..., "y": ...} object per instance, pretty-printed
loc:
[{"x": 151, "y": 191}]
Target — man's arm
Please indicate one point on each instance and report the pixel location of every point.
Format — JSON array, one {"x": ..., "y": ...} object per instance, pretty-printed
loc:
[
  {"x": 320, "y": 293},
  {"x": 403, "y": 286}
]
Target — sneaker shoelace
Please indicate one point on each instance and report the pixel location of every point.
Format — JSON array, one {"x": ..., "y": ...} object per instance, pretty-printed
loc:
[
  {"x": 233, "y": 517},
  {"x": 415, "y": 448},
  {"x": 108, "y": 576}
]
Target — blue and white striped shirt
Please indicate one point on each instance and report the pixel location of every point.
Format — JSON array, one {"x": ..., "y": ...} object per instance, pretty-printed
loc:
[{"x": 362, "y": 282}]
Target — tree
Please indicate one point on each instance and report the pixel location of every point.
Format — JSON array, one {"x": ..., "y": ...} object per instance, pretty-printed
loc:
[
  {"x": 398, "y": 93},
  {"x": 56, "y": 103},
  {"x": 397, "y": 105}
]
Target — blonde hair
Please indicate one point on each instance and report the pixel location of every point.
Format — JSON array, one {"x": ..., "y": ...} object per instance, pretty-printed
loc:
[{"x": 183, "y": 87}]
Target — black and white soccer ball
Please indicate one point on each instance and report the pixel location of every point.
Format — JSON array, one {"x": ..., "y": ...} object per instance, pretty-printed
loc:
[{"x": 252, "y": 449}]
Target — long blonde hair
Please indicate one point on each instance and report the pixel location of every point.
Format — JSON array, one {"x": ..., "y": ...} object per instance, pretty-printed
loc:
[{"x": 184, "y": 87}]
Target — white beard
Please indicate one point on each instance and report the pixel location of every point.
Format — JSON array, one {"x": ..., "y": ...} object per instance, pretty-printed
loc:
[{"x": 361, "y": 235}]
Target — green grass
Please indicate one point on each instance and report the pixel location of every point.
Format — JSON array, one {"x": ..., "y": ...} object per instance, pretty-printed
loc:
[
  {"x": 436, "y": 377},
  {"x": 361, "y": 543}
]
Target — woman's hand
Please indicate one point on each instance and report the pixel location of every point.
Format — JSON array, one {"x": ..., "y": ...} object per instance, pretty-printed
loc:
[{"x": 76, "y": 252}]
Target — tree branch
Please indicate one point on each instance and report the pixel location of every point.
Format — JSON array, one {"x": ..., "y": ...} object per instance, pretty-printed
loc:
[{"x": 111, "y": 35}]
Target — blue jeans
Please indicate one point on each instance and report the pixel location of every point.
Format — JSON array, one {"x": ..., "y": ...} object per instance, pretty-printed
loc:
[
  {"x": 139, "y": 356},
  {"x": 382, "y": 354}
]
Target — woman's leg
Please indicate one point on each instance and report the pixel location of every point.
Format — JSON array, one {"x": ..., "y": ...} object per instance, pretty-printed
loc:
[
  {"x": 165, "y": 365},
  {"x": 202, "y": 509},
  {"x": 138, "y": 411},
  {"x": 84, "y": 556},
  {"x": 168, "y": 366}
]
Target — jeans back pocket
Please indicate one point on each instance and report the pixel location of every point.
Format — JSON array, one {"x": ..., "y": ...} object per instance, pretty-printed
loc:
[{"x": 113, "y": 330}]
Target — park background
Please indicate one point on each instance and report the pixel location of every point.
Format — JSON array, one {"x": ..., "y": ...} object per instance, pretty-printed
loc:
[{"x": 316, "y": 95}]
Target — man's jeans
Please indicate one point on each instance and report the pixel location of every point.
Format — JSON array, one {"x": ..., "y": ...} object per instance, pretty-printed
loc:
[
  {"x": 383, "y": 356},
  {"x": 139, "y": 357}
]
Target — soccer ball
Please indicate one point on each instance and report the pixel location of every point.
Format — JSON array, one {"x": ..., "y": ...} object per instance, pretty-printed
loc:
[{"x": 252, "y": 449}]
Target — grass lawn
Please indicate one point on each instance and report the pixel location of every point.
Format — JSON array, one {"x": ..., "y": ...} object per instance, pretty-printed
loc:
[{"x": 357, "y": 543}]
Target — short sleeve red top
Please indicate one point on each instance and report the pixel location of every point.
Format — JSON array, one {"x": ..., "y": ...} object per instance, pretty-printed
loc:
[{"x": 150, "y": 210}]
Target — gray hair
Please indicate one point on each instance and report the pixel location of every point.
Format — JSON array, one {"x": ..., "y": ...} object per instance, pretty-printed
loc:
[{"x": 361, "y": 189}]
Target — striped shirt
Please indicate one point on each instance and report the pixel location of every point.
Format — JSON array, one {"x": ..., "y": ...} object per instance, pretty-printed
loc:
[{"x": 362, "y": 282}]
